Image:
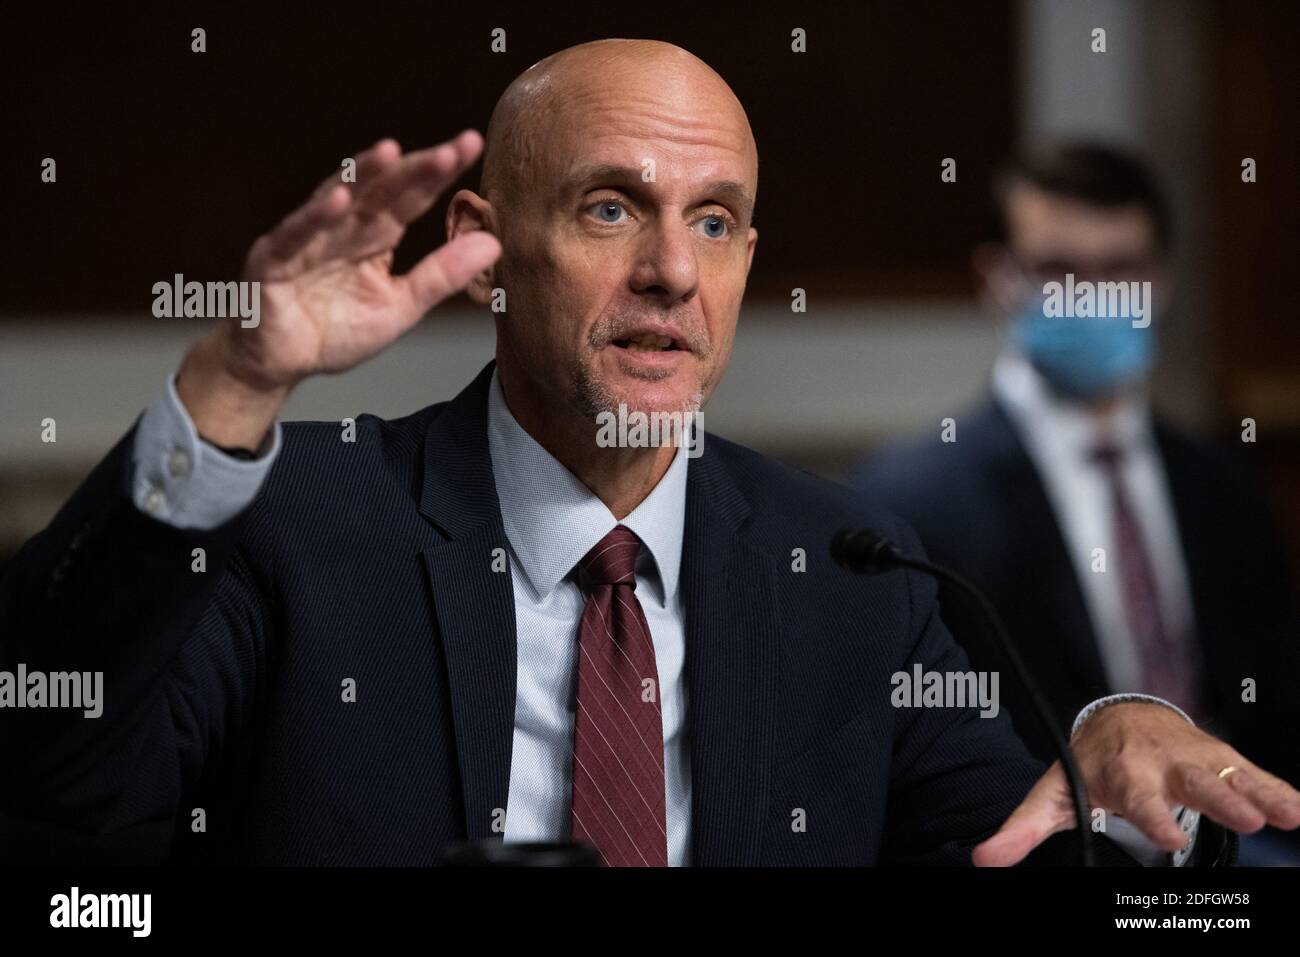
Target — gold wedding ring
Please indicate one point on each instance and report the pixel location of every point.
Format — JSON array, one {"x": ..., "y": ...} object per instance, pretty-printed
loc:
[{"x": 1228, "y": 770}]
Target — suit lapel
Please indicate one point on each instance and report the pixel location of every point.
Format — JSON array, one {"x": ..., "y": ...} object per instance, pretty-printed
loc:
[
  {"x": 732, "y": 633},
  {"x": 474, "y": 605}
]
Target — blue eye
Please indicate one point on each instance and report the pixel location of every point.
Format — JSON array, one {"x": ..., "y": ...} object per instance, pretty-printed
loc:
[
  {"x": 608, "y": 211},
  {"x": 715, "y": 227}
]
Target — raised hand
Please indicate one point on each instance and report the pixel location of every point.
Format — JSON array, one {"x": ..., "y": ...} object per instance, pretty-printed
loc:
[{"x": 329, "y": 300}]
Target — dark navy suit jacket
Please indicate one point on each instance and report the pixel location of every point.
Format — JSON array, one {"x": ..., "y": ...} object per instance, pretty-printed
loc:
[
  {"x": 372, "y": 561},
  {"x": 981, "y": 509}
]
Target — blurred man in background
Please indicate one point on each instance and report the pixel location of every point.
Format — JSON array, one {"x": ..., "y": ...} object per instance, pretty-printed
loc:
[{"x": 1122, "y": 554}]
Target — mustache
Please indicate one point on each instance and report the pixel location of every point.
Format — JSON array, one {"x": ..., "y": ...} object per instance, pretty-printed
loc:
[{"x": 622, "y": 324}]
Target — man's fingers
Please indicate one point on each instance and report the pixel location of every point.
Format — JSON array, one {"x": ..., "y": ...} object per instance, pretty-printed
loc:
[
  {"x": 298, "y": 229},
  {"x": 1149, "y": 811},
  {"x": 323, "y": 209},
  {"x": 1203, "y": 790},
  {"x": 1010, "y": 844},
  {"x": 403, "y": 187},
  {"x": 444, "y": 164},
  {"x": 1271, "y": 796},
  {"x": 449, "y": 269},
  {"x": 1046, "y": 810},
  {"x": 407, "y": 190},
  {"x": 370, "y": 163},
  {"x": 1260, "y": 774}
]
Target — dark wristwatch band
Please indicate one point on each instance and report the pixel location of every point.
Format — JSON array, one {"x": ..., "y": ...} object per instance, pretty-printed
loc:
[{"x": 235, "y": 452}]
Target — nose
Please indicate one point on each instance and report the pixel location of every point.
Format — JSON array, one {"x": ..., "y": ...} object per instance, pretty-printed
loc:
[{"x": 667, "y": 268}]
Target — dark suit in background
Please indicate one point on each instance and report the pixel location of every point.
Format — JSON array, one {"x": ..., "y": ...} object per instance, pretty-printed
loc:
[{"x": 980, "y": 507}]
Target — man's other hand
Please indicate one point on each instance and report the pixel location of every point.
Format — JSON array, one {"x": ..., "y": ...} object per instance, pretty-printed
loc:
[
  {"x": 329, "y": 300},
  {"x": 1139, "y": 761}
]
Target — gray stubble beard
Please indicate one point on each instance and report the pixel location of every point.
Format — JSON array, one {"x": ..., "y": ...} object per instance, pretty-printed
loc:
[{"x": 593, "y": 397}]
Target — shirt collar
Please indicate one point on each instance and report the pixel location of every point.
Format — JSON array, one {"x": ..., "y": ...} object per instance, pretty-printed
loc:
[
  {"x": 1056, "y": 421},
  {"x": 552, "y": 520}
]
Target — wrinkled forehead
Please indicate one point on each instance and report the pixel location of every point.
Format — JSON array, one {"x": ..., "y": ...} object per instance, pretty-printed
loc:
[{"x": 678, "y": 132}]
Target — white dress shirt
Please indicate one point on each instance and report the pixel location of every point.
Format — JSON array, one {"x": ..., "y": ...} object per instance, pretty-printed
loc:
[
  {"x": 1059, "y": 436},
  {"x": 552, "y": 520}
]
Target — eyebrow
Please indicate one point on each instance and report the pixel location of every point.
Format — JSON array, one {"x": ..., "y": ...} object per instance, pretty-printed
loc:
[{"x": 588, "y": 177}]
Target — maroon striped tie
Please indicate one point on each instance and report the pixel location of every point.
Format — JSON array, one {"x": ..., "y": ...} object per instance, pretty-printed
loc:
[
  {"x": 618, "y": 738},
  {"x": 1168, "y": 667}
]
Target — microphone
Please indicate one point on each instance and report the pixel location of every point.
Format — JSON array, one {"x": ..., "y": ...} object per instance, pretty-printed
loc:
[
  {"x": 863, "y": 551},
  {"x": 493, "y": 852}
]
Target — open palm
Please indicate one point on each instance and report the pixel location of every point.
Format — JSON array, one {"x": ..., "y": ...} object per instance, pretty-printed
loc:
[{"x": 329, "y": 300}]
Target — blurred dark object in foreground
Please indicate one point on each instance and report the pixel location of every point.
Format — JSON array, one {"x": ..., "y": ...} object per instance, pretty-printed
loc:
[{"x": 500, "y": 854}]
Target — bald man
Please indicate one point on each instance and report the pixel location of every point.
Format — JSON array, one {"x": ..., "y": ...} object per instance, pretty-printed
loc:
[{"x": 485, "y": 621}]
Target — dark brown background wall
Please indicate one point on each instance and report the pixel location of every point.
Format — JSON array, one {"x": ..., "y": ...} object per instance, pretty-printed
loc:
[
  {"x": 1254, "y": 234},
  {"x": 172, "y": 161}
]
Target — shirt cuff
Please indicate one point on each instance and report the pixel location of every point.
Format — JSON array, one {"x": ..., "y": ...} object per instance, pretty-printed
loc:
[
  {"x": 180, "y": 479},
  {"x": 1125, "y": 834},
  {"x": 1094, "y": 707}
]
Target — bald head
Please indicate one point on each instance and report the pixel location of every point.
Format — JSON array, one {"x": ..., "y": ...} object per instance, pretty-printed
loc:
[
  {"x": 538, "y": 111},
  {"x": 619, "y": 177}
]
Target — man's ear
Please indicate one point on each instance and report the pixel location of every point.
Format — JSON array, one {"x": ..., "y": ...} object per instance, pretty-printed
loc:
[
  {"x": 749, "y": 252},
  {"x": 467, "y": 212}
]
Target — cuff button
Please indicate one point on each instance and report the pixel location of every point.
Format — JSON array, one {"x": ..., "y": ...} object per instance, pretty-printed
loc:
[
  {"x": 178, "y": 463},
  {"x": 154, "y": 501}
]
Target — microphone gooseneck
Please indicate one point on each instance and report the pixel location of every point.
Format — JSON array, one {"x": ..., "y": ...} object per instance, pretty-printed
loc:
[{"x": 863, "y": 551}]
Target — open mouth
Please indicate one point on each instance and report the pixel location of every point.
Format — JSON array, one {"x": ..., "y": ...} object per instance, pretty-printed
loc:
[{"x": 648, "y": 342}]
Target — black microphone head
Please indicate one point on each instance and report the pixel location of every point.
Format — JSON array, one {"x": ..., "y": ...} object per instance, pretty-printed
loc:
[{"x": 862, "y": 550}]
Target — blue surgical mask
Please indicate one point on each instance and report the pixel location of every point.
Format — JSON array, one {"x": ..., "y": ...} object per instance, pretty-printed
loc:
[{"x": 1083, "y": 357}]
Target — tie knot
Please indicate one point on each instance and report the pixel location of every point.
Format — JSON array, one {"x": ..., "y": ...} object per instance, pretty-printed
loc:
[
  {"x": 612, "y": 561},
  {"x": 1107, "y": 455}
]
